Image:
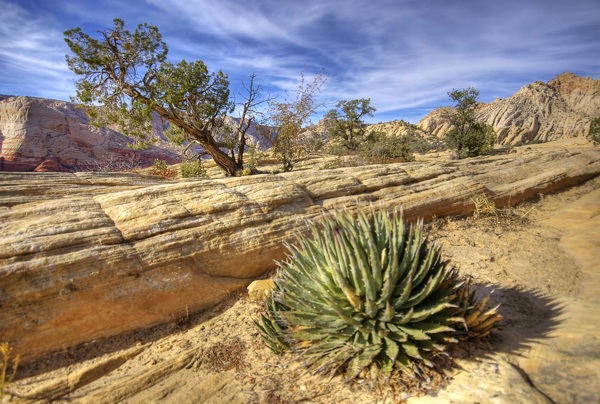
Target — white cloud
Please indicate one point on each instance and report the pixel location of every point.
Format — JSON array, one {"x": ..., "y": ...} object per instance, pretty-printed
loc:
[
  {"x": 403, "y": 54},
  {"x": 32, "y": 53}
]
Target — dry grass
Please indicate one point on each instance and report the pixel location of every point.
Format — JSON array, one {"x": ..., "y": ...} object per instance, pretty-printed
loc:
[
  {"x": 7, "y": 363},
  {"x": 486, "y": 210}
]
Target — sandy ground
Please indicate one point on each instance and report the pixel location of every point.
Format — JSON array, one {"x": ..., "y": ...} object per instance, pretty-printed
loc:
[{"x": 540, "y": 258}]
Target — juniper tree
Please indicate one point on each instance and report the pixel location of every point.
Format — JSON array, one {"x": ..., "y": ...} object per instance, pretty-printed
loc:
[
  {"x": 345, "y": 122},
  {"x": 124, "y": 77},
  {"x": 469, "y": 137}
]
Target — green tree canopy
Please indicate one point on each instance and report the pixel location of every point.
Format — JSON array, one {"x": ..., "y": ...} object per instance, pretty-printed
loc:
[
  {"x": 468, "y": 137},
  {"x": 124, "y": 77},
  {"x": 345, "y": 123}
]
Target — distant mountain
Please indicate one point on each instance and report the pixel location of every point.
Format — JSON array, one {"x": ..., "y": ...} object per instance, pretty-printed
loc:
[
  {"x": 38, "y": 134},
  {"x": 50, "y": 135},
  {"x": 561, "y": 108}
]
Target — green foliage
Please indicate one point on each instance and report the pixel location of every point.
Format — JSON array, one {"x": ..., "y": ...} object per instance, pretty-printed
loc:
[
  {"x": 127, "y": 74},
  {"x": 160, "y": 165},
  {"x": 477, "y": 140},
  {"x": 369, "y": 293},
  {"x": 161, "y": 169},
  {"x": 381, "y": 148},
  {"x": 192, "y": 169},
  {"x": 175, "y": 135},
  {"x": 468, "y": 138},
  {"x": 345, "y": 124},
  {"x": 594, "y": 132}
]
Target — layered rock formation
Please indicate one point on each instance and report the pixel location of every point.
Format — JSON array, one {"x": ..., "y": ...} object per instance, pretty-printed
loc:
[
  {"x": 561, "y": 108},
  {"x": 402, "y": 128},
  {"x": 49, "y": 135},
  {"x": 88, "y": 255}
]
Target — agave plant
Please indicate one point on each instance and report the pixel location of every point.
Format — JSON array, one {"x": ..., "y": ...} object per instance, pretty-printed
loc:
[{"x": 366, "y": 292}]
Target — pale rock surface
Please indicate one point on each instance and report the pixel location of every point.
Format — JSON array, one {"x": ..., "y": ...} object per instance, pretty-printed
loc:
[
  {"x": 49, "y": 135},
  {"x": 561, "y": 108},
  {"x": 561, "y": 364},
  {"x": 87, "y": 256},
  {"x": 544, "y": 270}
]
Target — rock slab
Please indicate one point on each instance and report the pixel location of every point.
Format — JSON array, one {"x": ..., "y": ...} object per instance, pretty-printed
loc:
[{"x": 87, "y": 256}]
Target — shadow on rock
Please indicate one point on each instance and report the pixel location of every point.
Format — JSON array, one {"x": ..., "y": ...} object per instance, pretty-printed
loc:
[
  {"x": 529, "y": 317},
  {"x": 99, "y": 347}
]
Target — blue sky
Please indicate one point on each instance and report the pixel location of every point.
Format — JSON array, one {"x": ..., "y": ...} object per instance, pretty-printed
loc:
[{"x": 405, "y": 55}]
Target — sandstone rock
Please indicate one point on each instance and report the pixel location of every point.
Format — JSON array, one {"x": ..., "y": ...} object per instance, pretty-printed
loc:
[
  {"x": 261, "y": 289},
  {"x": 582, "y": 94},
  {"x": 436, "y": 122},
  {"x": 91, "y": 255},
  {"x": 561, "y": 108},
  {"x": 49, "y": 135}
]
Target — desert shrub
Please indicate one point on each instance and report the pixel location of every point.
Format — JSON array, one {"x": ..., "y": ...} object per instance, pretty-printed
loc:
[
  {"x": 192, "y": 169},
  {"x": 333, "y": 164},
  {"x": 246, "y": 171},
  {"x": 6, "y": 363},
  {"x": 160, "y": 165},
  {"x": 254, "y": 154},
  {"x": 345, "y": 123},
  {"x": 594, "y": 131},
  {"x": 336, "y": 149},
  {"x": 417, "y": 144},
  {"x": 382, "y": 148},
  {"x": 469, "y": 137},
  {"x": 370, "y": 293},
  {"x": 477, "y": 140},
  {"x": 161, "y": 169}
]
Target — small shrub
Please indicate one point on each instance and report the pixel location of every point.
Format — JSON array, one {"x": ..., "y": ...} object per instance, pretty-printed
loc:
[
  {"x": 161, "y": 169},
  {"x": 254, "y": 154},
  {"x": 160, "y": 165},
  {"x": 479, "y": 139},
  {"x": 484, "y": 207},
  {"x": 6, "y": 363},
  {"x": 370, "y": 293},
  {"x": 381, "y": 148},
  {"x": 192, "y": 169},
  {"x": 594, "y": 131}
]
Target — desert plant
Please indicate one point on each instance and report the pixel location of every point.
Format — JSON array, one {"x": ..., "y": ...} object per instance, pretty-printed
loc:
[
  {"x": 286, "y": 122},
  {"x": 468, "y": 137},
  {"x": 369, "y": 293},
  {"x": 479, "y": 320},
  {"x": 484, "y": 207},
  {"x": 124, "y": 79},
  {"x": 345, "y": 122},
  {"x": 7, "y": 362},
  {"x": 160, "y": 165},
  {"x": 192, "y": 169},
  {"x": 161, "y": 169},
  {"x": 594, "y": 131},
  {"x": 379, "y": 147}
]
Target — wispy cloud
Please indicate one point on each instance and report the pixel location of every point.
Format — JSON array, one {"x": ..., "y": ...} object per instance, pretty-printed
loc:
[
  {"x": 403, "y": 54},
  {"x": 31, "y": 54}
]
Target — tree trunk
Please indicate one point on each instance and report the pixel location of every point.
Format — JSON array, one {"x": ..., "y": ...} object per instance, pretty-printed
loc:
[
  {"x": 205, "y": 139},
  {"x": 222, "y": 159}
]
